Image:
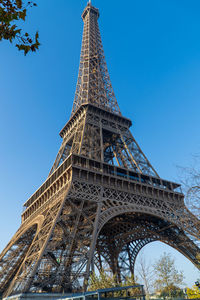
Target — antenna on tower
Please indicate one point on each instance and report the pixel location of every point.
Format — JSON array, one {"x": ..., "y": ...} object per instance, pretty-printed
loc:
[{"x": 90, "y": 2}]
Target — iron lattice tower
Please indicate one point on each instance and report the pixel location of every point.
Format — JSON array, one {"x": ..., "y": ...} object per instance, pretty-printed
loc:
[{"x": 102, "y": 201}]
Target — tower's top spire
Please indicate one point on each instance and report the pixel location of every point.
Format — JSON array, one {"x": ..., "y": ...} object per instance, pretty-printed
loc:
[
  {"x": 90, "y": 8},
  {"x": 94, "y": 85}
]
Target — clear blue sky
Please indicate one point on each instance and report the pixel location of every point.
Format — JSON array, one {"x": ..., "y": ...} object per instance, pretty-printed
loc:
[{"x": 152, "y": 50}]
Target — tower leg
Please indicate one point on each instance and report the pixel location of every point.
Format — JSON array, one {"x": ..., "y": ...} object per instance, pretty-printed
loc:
[{"x": 28, "y": 268}]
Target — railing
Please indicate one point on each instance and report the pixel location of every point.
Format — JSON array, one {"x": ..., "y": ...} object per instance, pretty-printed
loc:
[
  {"x": 122, "y": 293},
  {"x": 49, "y": 181},
  {"x": 105, "y": 168},
  {"x": 135, "y": 292}
]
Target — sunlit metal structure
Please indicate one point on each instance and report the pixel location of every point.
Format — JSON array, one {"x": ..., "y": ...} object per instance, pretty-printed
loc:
[{"x": 102, "y": 202}]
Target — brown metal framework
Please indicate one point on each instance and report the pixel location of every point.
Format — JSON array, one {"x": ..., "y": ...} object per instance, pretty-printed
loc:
[{"x": 102, "y": 201}]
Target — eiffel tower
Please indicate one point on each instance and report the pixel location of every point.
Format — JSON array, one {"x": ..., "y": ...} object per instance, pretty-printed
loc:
[{"x": 102, "y": 202}]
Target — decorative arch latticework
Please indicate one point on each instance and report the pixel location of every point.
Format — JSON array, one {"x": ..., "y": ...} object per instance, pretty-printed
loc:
[{"x": 123, "y": 236}]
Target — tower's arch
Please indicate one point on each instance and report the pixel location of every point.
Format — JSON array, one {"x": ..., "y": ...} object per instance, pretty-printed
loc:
[
  {"x": 14, "y": 254},
  {"x": 122, "y": 237}
]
